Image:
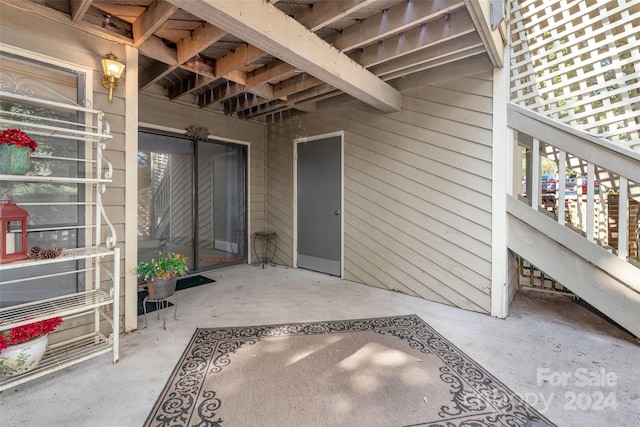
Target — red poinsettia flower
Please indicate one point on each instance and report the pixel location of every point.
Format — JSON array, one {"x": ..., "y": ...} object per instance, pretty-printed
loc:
[
  {"x": 18, "y": 138},
  {"x": 26, "y": 333}
]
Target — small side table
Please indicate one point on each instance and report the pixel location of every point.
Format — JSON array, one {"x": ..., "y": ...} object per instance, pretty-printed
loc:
[{"x": 269, "y": 247}]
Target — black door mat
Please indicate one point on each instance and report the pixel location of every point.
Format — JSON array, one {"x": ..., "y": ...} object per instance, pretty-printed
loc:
[
  {"x": 186, "y": 283},
  {"x": 190, "y": 282}
]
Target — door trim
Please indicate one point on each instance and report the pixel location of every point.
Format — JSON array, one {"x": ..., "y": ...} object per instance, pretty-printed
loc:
[{"x": 295, "y": 193}]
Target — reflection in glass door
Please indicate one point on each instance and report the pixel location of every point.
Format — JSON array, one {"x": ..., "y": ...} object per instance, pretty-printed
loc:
[
  {"x": 221, "y": 204},
  {"x": 167, "y": 181}
]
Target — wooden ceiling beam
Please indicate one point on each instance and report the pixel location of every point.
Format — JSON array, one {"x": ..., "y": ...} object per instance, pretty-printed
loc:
[
  {"x": 155, "y": 48},
  {"x": 324, "y": 13},
  {"x": 427, "y": 35},
  {"x": 245, "y": 54},
  {"x": 442, "y": 60},
  {"x": 79, "y": 9},
  {"x": 239, "y": 77},
  {"x": 157, "y": 13},
  {"x": 433, "y": 55},
  {"x": 269, "y": 29},
  {"x": 273, "y": 71},
  {"x": 230, "y": 90},
  {"x": 310, "y": 93},
  {"x": 199, "y": 39},
  {"x": 295, "y": 84},
  {"x": 480, "y": 12},
  {"x": 263, "y": 90},
  {"x": 249, "y": 108},
  {"x": 220, "y": 94},
  {"x": 226, "y": 67},
  {"x": 200, "y": 66},
  {"x": 395, "y": 20},
  {"x": 395, "y": 50},
  {"x": 187, "y": 49},
  {"x": 153, "y": 73},
  {"x": 245, "y": 102},
  {"x": 183, "y": 86}
]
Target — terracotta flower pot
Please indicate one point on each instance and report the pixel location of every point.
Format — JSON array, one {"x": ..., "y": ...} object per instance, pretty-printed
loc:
[{"x": 20, "y": 358}]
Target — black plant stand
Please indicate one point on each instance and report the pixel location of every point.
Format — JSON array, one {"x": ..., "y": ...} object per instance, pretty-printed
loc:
[
  {"x": 269, "y": 247},
  {"x": 161, "y": 304}
]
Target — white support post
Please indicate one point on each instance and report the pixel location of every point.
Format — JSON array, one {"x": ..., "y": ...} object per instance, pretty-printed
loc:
[
  {"x": 501, "y": 179},
  {"x": 562, "y": 180},
  {"x": 536, "y": 180},
  {"x": 130, "y": 241},
  {"x": 514, "y": 165},
  {"x": 591, "y": 211},
  {"x": 116, "y": 305},
  {"x": 623, "y": 219}
]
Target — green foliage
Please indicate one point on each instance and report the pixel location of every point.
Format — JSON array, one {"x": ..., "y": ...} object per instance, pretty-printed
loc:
[
  {"x": 44, "y": 188},
  {"x": 164, "y": 267},
  {"x": 14, "y": 366},
  {"x": 548, "y": 166}
]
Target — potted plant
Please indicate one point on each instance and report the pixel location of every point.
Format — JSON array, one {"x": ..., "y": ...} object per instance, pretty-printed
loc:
[
  {"x": 15, "y": 148},
  {"x": 161, "y": 274},
  {"x": 22, "y": 347}
]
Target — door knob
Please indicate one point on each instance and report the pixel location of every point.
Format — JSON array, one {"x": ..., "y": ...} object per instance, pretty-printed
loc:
[{"x": 337, "y": 212}]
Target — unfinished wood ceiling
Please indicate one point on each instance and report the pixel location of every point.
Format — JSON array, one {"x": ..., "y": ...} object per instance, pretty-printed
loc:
[{"x": 266, "y": 59}]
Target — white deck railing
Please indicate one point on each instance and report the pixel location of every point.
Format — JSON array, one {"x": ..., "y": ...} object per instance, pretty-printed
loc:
[{"x": 605, "y": 167}]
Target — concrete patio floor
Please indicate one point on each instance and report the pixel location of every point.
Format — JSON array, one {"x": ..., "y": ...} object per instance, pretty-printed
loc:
[{"x": 574, "y": 367}]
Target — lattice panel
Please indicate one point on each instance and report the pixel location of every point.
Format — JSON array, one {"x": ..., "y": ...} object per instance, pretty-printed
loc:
[{"x": 578, "y": 61}]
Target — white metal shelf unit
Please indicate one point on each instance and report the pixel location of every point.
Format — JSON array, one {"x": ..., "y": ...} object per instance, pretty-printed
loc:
[{"x": 97, "y": 298}]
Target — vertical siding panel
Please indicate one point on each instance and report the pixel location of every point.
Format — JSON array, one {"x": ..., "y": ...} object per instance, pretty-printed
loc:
[{"x": 417, "y": 189}]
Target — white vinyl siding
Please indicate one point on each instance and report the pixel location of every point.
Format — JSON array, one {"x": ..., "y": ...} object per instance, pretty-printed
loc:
[{"x": 417, "y": 186}]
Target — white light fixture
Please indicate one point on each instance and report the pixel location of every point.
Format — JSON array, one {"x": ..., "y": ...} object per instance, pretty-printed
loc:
[{"x": 112, "y": 72}]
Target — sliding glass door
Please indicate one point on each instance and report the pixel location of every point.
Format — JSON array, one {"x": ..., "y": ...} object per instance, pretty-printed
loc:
[
  {"x": 221, "y": 204},
  {"x": 191, "y": 200}
]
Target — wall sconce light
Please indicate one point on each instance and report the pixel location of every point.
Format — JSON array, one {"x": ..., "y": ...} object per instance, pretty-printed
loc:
[{"x": 112, "y": 72}]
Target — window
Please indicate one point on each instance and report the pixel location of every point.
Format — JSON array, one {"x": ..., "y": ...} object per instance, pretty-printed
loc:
[{"x": 57, "y": 211}]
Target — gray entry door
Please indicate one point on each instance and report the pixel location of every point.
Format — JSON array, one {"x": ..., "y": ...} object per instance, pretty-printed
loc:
[{"x": 319, "y": 166}]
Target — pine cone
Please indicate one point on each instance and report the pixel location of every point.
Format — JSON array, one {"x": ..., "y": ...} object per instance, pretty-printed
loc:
[
  {"x": 51, "y": 252},
  {"x": 35, "y": 251}
]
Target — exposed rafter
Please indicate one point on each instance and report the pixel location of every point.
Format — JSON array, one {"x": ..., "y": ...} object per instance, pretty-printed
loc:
[
  {"x": 261, "y": 58},
  {"x": 480, "y": 13},
  {"x": 271, "y": 30},
  {"x": 79, "y": 9},
  {"x": 224, "y": 66},
  {"x": 419, "y": 38},
  {"x": 393, "y": 21},
  {"x": 190, "y": 46},
  {"x": 199, "y": 39},
  {"x": 324, "y": 13},
  {"x": 151, "y": 19},
  {"x": 469, "y": 44}
]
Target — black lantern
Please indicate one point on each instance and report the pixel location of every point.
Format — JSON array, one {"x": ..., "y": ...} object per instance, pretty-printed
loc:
[{"x": 13, "y": 230}]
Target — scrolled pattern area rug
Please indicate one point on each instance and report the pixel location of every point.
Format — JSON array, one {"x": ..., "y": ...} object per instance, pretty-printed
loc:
[{"x": 390, "y": 371}]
